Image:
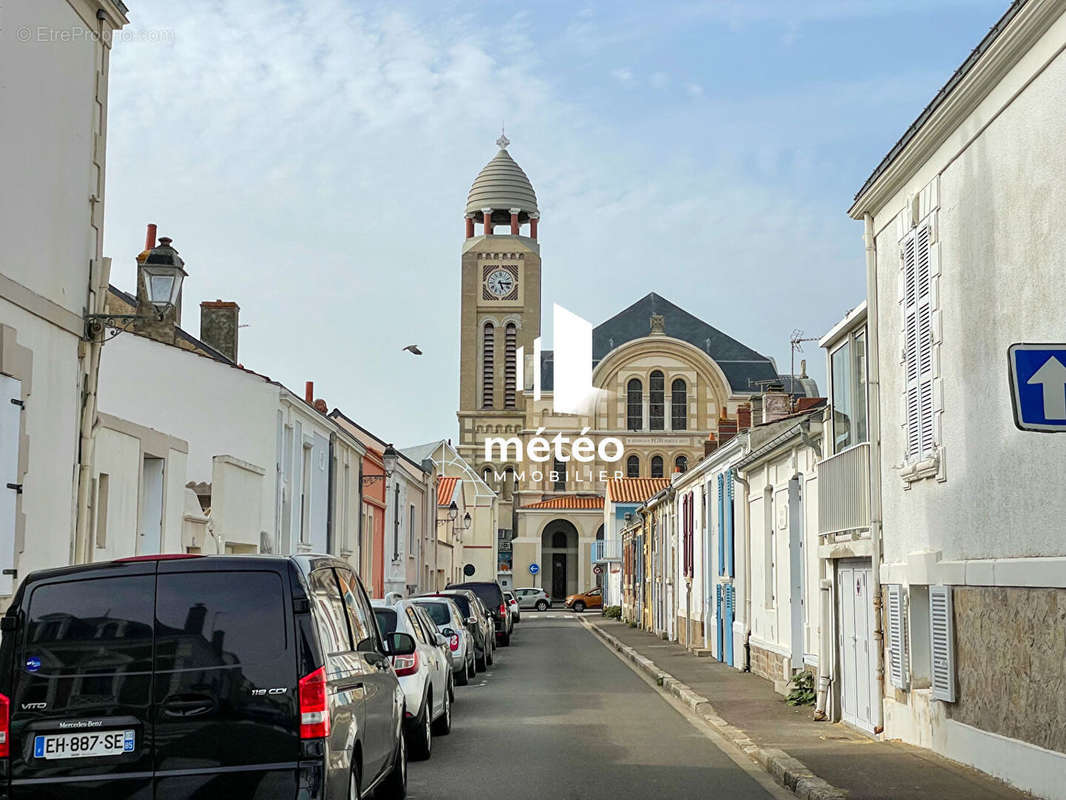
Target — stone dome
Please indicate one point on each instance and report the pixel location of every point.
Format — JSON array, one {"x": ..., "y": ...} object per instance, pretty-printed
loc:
[{"x": 502, "y": 185}]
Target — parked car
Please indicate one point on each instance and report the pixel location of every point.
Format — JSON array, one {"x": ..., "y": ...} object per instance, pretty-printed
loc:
[
  {"x": 512, "y": 605},
  {"x": 187, "y": 676},
  {"x": 425, "y": 675},
  {"x": 479, "y": 625},
  {"x": 533, "y": 597},
  {"x": 491, "y": 594},
  {"x": 593, "y": 598},
  {"x": 448, "y": 618}
]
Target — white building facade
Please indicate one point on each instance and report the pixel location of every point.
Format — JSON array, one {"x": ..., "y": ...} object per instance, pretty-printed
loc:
[{"x": 964, "y": 249}]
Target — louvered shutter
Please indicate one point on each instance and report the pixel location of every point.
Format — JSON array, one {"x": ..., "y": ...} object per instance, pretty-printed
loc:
[
  {"x": 730, "y": 533},
  {"x": 897, "y": 637},
  {"x": 10, "y": 389},
  {"x": 942, "y": 643},
  {"x": 918, "y": 342},
  {"x": 721, "y": 524}
]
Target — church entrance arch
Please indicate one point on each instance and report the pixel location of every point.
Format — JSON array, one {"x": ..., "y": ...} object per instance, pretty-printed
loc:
[{"x": 559, "y": 546}]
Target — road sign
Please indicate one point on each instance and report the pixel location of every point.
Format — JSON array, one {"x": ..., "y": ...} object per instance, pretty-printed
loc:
[
  {"x": 1038, "y": 386},
  {"x": 597, "y": 570},
  {"x": 534, "y": 569}
]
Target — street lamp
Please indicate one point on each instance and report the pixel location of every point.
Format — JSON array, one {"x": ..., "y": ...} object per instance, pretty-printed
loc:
[
  {"x": 453, "y": 513},
  {"x": 164, "y": 271},
  {"x": 389, "y": 457}
]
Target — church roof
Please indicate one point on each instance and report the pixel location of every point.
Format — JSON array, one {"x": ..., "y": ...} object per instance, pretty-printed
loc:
[
  {"x": 741, "y": 365},
  {"x": 570, "y": 502},
  {"x": 502, "y": 185}
]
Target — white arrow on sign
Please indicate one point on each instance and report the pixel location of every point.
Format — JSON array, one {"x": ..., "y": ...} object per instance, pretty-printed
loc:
[{"x": 1052, "y": 375}]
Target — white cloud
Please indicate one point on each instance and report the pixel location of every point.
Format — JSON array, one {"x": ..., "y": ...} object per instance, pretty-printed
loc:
[{"x": 622, "y": 75}]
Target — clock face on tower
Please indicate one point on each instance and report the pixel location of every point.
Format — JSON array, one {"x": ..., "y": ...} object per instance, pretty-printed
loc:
[{"x": 500, "y": 283}]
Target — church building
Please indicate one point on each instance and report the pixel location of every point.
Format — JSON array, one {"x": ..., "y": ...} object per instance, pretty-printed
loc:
[{"x": 666, "y": 383}]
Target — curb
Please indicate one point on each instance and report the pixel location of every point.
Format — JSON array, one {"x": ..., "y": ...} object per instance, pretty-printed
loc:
[{"x": 783, "y": 768}]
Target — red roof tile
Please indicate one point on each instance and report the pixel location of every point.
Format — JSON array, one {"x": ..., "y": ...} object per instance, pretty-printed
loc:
[
  {"x": 573, "y": 503},
  {"x": 446, "y": 490},
  {"x": 634, "y": 490}
]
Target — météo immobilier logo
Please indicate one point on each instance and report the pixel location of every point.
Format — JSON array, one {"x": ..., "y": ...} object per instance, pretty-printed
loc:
[{"x": 572, "y": 393}]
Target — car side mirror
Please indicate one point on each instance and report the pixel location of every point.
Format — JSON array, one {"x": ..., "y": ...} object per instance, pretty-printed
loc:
[
  {"x": 399, "y": 644},
  {"x": 448, "y": 632},
  {"x": 471, "y": 620}
]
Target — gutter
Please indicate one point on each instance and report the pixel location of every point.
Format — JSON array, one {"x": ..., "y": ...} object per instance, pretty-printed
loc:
[
  {"x": 743, "y": 481},
  {"x": 873, "y": 405}
]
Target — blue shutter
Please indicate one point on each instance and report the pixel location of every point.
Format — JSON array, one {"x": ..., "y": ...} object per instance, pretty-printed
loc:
[
  {"x": 730, "y": 534},
  {"x": 721, "y": 524}
]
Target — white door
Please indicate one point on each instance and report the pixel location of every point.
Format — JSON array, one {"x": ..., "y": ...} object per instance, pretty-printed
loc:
[{"x": 855, "y": 627}]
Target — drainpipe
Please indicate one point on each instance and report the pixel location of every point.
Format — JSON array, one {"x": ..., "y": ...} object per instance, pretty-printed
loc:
[
  {"x": 331, "y": 493},
  {"x": 746, "y": 550},
  {"x": 873, "y": 404},
  {"x": 81, "y": 552},
  {"x": 359, "y": 525},
  {"x": 825, "y": 679}
]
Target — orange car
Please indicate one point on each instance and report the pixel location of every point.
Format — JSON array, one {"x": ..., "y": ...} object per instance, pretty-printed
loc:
[{"x": 593, "y": 598}]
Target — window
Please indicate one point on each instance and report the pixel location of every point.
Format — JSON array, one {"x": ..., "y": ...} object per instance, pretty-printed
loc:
[
  {"x": 358, "y": 619},
  {"x": 92, "y": 626},
  {"x": 416, "y": 626},
  {"x": 896, "y": 635},
  {"x": 103, "y": 491},
  {"x": 487, "y": 367},
  {"x": 918, "y": 342},
  {"x": 411, "y": 530},
  {"x": 634, "y": 404},
  {"x": 218, "y": 619},
  {"x": 681, "y": 463},
  {"x": 848, "y": 367},
  {"x": 559, "y": 476},
  {"x": 386, "y": 619},
  {"x": 510, "y": 347},
  {"x": 330, "y": 615},
  {"x": 508, "y": 483},
  {"x": 656, "y": 401},
  {"x": 438, "y": 612},
  {"x": 560, "y": 540},
  {"x": 678, "y": 405},
  {"x": 633, "y": 467},
  {"x": 656, "y": 466}
]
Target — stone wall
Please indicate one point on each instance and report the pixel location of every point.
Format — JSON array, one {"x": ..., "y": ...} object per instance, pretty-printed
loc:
[
  {"x": 769, "y": 665},
  {"x": 1010, "y": 656}
]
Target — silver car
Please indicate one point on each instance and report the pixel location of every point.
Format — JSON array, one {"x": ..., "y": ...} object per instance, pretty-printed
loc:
[
  {"x": 425, "y": 675},
  {"x": 533, "y": 597},
  {"x": 449, "y": 621}
]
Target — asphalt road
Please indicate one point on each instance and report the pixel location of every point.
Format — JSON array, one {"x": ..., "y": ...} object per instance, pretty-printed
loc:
[{"x": 559, "y": 717}]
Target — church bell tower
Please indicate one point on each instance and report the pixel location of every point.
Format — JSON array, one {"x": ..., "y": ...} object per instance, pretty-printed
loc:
[{"x": 500, "y": 303}]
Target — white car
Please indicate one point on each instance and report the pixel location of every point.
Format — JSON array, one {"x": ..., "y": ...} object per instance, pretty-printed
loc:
[
  {"x": 449, "y": 620},
  {"x": 512, "y": 604},
  {"x": 425, "y": 675},
  {"x": 533, "y": 597}
]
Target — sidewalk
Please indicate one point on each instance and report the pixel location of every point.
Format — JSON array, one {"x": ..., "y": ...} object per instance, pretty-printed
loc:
[{"x": 816, "y": 760}]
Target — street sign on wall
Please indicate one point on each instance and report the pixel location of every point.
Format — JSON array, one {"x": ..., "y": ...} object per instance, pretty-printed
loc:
[
  {"x": 534, "y": 569},
  {"x": 1038, "y": 386}
]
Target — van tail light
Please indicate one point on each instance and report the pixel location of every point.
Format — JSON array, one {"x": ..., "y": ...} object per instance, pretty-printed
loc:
[
  {"x": 405, "y": 665},
  {"x": 453, "y": 642},
  {"x": 314, "y": 713},
  {"x": 5, "y": 726},
  {"x": 503, "y": 610}
]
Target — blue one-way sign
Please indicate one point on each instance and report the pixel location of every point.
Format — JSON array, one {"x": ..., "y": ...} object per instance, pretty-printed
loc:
[{"x": 1038, "y": 386}]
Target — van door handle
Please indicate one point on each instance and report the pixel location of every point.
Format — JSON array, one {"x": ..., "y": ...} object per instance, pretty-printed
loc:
[{"x": 187, "y": 705}]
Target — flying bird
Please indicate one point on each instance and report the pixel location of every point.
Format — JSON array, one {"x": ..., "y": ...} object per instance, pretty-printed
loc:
[{"x": 413, "y": 349}]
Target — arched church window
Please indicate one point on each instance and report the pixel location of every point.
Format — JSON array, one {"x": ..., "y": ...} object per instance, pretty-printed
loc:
[
  {"x": 634, "y": 404},
  {"x": 488, "y": 370},
  {"x": 559, "y": 476},
  {"x": 486, "y": 474},
  {"x": 681, "y": 463},
  {"x": 508, "y": 483},
  {"x": 656, "y": 401},
  {"x": 510, "y": 349},
  {"x": 656, "y": 466},
  {"x": 559, "y": 540},
  {"x": 632, "y": 467},
  {"x": 678, "y": 405}
]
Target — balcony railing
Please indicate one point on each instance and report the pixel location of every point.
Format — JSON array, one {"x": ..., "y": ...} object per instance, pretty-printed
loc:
[
  {"x": 844, "y": 490},
  {"x": 606, "y": 550}
]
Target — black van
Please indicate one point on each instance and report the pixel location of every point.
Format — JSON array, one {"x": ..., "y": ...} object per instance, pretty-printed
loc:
[
  {"x": 179, "y": 676},
  {"x": 491, "y": 595}
]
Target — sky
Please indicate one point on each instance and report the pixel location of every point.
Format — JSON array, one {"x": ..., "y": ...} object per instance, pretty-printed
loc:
[{"x": 310, "y": 160}]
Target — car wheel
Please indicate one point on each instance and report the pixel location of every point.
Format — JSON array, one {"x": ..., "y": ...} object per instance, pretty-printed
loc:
[
  {"x": 579, "y": 607},
  {"x": 505, "y": 640},
  {"x": 542, "y": 605},
  {"x": 480, "y": 663},
  {"x": 394, "y": 786},
  {"x": 463, "y": 676},
  {"x": 489, "y": 658},
  {"x": 354, "y": 790},
  {"x": 422, "y": 732},
  {"x": 442, "y": 725}
]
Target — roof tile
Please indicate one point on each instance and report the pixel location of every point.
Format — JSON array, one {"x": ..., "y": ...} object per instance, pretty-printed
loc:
[
  {"x": 634, "y": 490},
  {"x": 570, "y": 502}
]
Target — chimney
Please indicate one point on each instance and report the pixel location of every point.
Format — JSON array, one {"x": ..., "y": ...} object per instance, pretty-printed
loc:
[
  {"x": 776, "y": 403},
  {"x": 743, "y": 417},
  {"x": 309, "y": 392},
  {"x": 218, "y": 326},
  {"x": 727, "y": 429},
  {"x": 149, "y": 239},
  {"x": 710, "y": 444}
]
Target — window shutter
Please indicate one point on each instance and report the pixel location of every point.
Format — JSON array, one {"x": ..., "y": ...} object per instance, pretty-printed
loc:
[
  {"x": 721, "y": 524},
  {"x": 918, "y": 342},
  {"x": 730, "y": 531},
  {"x": 942, "y": 643},
  {"x": 10, "y": 389},
  {"x": 897, "y": 637}
]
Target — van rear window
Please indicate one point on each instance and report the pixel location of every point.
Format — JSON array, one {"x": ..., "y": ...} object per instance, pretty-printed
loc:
[
  {"x": 219, "y": 619},
  {"x": 93, "y": 626},
  {"x": 438, "y": 612}
]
